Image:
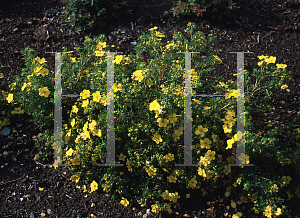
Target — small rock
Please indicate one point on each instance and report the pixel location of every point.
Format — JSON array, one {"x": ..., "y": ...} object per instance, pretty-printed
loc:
[
  {"x": 5, "y": 131},
  {"x": 48, "y": 211},
  {"x": 15, "y": 29}
]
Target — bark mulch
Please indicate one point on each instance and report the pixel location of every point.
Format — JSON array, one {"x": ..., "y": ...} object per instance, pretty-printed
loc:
[{"x": 268, "y": 27}]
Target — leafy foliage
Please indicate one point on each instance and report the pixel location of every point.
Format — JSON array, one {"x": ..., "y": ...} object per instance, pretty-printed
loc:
[{"x": 86, "y": 14}]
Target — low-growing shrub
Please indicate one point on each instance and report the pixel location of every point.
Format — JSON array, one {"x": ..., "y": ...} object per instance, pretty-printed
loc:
[
  {"x": 218, "y": 8},
  {"x": 149, "y": 123},
  {"x": 86, "y": 14}
]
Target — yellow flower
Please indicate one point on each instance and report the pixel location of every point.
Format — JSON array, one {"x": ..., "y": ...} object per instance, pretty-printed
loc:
[
  {"x": 169, "y": 157},
  {"x": 41, "y": 189},
  {"x": 101, "y": 45},
  {"x": 96, "y": 96},
  {"x": 94, "y": 186},
  {"x": 205, "y": 143},
  {"x": 37, "y": 70},
  {"x": 10, "y": 97},
  {"x": 204, "y": 161},
  {"x": 155, "y": 208},
  {"x": 165, "y": 195},
  {"x": 118, "y": 59},
  {"x": 92, "y": 125},
  {"x": 122, "y": 157},
  {"x": 271, "y": 60},
  {"x": 138, "y": 75},
  {"x": 162, "y": 123},
  {"x": 172, "y": 179},
  {"x": 201, "y": 172},
  {"x": 157, "y": 138},
  {"x": 75, "y": 178},
  {"x": 151, "y": 171},
  {"x": 124, "y": 202},
  {"x": 281, "y": 66},
  {"x": 85, "y": 94},
  {"x": 231, "y": 113},
  {"x": 69, "y": 152},
  {"x": 174, "y": 197},
  {"x": 44, "y": 72},
  {"x": 235, "y": 216},
  {"x": 232, "y": 93},
  {"x": 172, "y": 118},
  {"x": 41, "y": 61},
  {"x": 73, "y": 60},
  {"x": 286, "y": 179},
  {"x": 1, "y": 75},
  {"x": 284, "y": 87},
  {"x": 229, "y": 143},
  {"x": 44, "y": 92},
  {"x": 85, "y": 103},
  {"x": 73, "y": 122},
  {"x": 159, "y": 34},
  {"x": 17, "y": 110},
  {"x": 97, "y": 132},
  {"x": 154, "y": 106},
  {"x": 193, "y": 183},
  {"x": 278, "y": 212},
  {"x": 74, "y": 109},
  {"x": 104, "y": 100},
  {"x": 168, "y": 209},
  {"x": 201, "y": 131},
  {"x": 118, "y": 87},
  {"x": 154, "y": 28},
  {"x": 227, "y": 129},
  {"x": 268, "y": 211},
  {"x": 262, "y": 57}
]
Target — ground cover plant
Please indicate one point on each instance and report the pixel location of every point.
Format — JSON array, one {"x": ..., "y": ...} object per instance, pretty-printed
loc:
[
  {"x": 46, "y": 191},
  {"x": 149, "y": 147},
  {"x": 85, "y": 15},
  {"x": 197, "y": 8}
]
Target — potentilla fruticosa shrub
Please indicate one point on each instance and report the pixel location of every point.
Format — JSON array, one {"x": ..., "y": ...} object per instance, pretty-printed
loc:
[
  {"x": 149, "y": 124},
  {"x": 86, "y": 14}
]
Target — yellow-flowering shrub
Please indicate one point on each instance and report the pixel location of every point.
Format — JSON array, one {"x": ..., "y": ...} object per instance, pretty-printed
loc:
[{"x": 149, "y": 123}]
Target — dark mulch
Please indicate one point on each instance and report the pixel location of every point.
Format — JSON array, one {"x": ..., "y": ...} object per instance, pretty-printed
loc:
[{"x": 273, "y": 22}]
